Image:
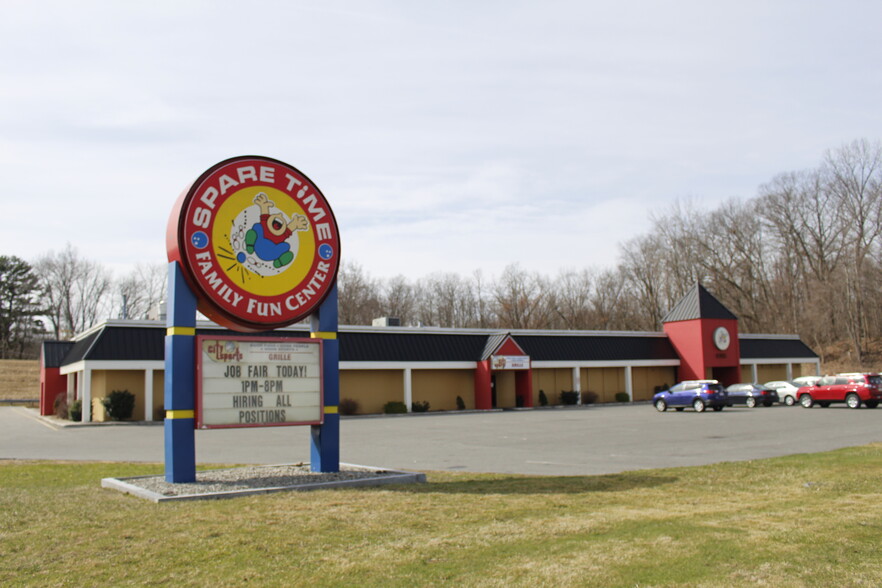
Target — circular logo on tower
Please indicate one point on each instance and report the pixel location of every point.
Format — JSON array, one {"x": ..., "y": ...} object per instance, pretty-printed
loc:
[
  {"x": 722, "y": 338},
  {"x": 257, "y": 242}
]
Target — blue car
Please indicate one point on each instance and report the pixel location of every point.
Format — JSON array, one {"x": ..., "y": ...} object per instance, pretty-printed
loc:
[{"x": 699, "y": 394}]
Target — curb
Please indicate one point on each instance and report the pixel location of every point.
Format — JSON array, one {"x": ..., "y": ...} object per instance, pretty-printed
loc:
[{"x": 382, "y": 477}]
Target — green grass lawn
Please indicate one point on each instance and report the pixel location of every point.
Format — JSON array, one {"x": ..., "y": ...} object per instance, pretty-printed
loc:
[{"x": 806, "y": 520}]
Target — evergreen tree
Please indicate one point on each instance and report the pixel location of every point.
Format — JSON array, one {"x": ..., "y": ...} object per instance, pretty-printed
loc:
[{"x": 19, "y": 308}]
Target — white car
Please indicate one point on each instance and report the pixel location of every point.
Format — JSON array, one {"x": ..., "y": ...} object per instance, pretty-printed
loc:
[
  {"x": 786, "y": 391},
  {"x": 806, "y": 381}
]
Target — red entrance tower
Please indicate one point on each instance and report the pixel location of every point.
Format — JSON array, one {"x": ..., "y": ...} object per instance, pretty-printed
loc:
[
  {"x": 705, "y": 335},
  {"x": 502, "y": 353}
]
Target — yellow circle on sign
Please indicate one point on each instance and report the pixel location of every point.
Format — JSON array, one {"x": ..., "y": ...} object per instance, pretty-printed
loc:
[{"x": 255, "y": 259}]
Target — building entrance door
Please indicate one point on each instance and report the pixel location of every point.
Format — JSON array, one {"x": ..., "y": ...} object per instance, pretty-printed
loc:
[{"x": 503, "y": 389}]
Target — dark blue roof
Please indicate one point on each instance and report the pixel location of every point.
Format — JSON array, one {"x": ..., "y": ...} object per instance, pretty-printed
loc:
[
  {"x": 54, "y": 352},
  {"x": 774, "y": 348},
  {"x": 596, "y": 347},
  {"x": 80, "y": 349},
  {"x": 410, "y": 346},
  {"x": 147, "y": 342},
  {"x": 698, "y": 303}
]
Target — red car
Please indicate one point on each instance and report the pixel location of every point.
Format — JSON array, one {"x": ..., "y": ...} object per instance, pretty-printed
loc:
[{"x": 852, "y": 389}]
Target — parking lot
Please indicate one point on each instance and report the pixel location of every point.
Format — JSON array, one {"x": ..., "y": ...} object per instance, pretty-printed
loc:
[{"x": 562, "y": 441}]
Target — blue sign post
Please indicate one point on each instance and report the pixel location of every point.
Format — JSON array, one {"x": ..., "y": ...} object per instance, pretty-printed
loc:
[
  {"x": 180, "y": 380},
  {"x": 325, "y": 452}
]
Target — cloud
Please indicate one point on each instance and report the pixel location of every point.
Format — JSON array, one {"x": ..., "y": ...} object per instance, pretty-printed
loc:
[{"x": 446, "y": 137}]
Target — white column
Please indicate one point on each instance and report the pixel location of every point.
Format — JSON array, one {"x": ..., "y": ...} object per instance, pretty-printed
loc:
[
  {"x": 408, "y": 389},
  {"x": 789, "y": 371},
  {"x": 754, "y": 373},
  {"x": 577, "y": 383},
  {"x": 629, "y": 387},
  {"x": 148, "y": 394},
  {"x": 86, "y": 394}
]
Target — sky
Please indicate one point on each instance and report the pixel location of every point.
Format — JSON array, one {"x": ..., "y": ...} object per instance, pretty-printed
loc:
[{"x": 447, "y": 136}]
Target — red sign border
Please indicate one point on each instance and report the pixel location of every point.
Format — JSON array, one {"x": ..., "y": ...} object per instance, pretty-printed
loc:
[
  {"x": 199, "y": 403},
  {"x": 206, "y": 303}
]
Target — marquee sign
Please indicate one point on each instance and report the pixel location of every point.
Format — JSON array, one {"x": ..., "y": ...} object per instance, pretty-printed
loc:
[
  {"x": 258, "y": 381},
  {"x": 510, "y": 362},
  {"x": 257, "y": 243}
]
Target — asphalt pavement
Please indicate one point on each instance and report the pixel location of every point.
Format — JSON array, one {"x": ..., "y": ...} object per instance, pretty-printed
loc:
[{"x": 555, "y": 441}]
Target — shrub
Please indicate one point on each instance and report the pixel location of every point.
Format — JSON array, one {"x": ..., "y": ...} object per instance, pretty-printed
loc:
[
  {"x": 119, "y": 405},
  {"x": 569, "y": 397},
  {"x": 589, "y": 397},
  {"x": 60, "y": 407},
  {"x": 420, "y": 406},
  {"x": 76, "y": 411},
  {"x": 348, "y": 406},
  {"x": 622, "y": 397},
  {"x": 543, "y": 399},
  {"x": 394, "y": 407},
  {"x": 460, "y": 403}
]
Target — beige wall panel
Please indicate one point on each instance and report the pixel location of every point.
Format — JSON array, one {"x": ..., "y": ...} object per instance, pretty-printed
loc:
[
  {"x": 99, "y": 386},
  {"x": 804, "y": 369},
  {"x": 604, "y": 382},
  {"x": 645, "y": 379},
  {"x": 131, "y": 380},
  {"x": 767, "y": 373},
  {"x": 372, "y": 388},
  {"x": 441, "y": 387},
  {"x": 747, "y": 373},
  {"x": 505, "y": 389},
  {"x": 592, "y": 380},
  {"x": 613, "y": 381},
  {"x": 106, "y": 381},
  {"x": 553, "y": 381}
]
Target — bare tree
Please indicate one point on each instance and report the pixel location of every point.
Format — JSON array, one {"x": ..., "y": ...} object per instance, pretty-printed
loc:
[
  {"x": 75, "y": 291},
  {"x": 572, "y": 292},
  {"x": 733, "y": 255},
  {"x": 399, "y": 299},
  {"x": 358, "y": 295},
  {"x": 612, "y": 307},
  {"x": 679, "y": 256},
  {"x": 854, "y": 173},
  {"x": 446, "y": 300},
  {"x": 643, "y": 268},
  {"x": 143, "y": 288},
  {"x": 483, "y": 314},
  {"x": 520, "y": 299}
]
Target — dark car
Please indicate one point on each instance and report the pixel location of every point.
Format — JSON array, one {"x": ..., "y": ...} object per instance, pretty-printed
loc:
[
  {"x": 751, "y": 395},
  {"x": 852, "y": 389},
  {"x": 699, "y": 394}
]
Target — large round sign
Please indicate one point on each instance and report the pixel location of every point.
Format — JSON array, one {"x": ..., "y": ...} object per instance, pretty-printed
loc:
[{"x": 257, "y": 243}]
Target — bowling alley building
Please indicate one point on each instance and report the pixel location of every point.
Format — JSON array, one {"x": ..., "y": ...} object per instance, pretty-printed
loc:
[{"x": 451, "y": 369}]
